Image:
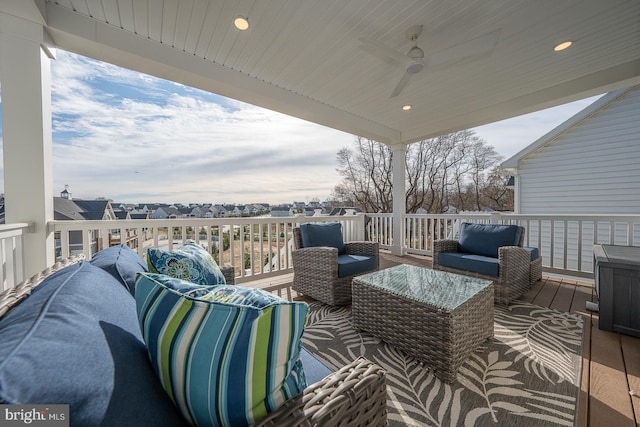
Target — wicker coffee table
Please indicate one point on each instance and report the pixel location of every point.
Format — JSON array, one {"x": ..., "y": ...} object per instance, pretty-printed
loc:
[{"x": 439, "y": 318}]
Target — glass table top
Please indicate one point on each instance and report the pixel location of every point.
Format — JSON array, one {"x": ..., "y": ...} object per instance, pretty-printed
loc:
[{"x": 437, "y": 288}]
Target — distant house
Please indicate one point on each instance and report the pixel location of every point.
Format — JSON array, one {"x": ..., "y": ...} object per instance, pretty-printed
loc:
[
  {"x": 138, "y": 215},
  {"x": 121, "y": 214},
  {"x": 281, "y": 211},
  {"x": 171, "y": 212},
  {"x": 67, "y": 209},
  {"x": 219, "y": 211},
  {"x": 589, "y": 164},
  {"x": 345, "y": 211}
]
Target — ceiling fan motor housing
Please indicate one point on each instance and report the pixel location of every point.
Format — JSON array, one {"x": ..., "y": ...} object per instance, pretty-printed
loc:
[{"x": 414, "y": 67}]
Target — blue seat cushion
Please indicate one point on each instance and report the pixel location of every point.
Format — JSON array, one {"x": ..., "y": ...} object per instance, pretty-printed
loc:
[
  {"x": 470, "y": 262},
  {"x": 75, "y": 340},
  {"x": 314, "y": 370},
  {"x": 486, "y": 239},
  {"x": 322, "y": 234},
  {"x": 534, "y": 252},
  {"x": 121, "y": 262},
  {"x": 348, "y": 265}
]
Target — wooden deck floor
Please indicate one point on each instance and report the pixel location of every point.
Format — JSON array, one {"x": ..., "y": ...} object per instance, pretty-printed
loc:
[{"x": 610, "y": 361}]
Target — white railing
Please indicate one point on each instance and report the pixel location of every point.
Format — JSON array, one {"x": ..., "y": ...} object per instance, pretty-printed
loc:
[
  {"x": 12, "y": 254},
  {"x": 254, "y": 246},
  {"x": 263, "y": 245},
  {"x": 565, "y": 241}
]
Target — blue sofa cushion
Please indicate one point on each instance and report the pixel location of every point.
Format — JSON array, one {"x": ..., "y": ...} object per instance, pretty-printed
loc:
[
  {"x": 226, "y": 355},
  {"x": 469, "y": 262},
  {"x": 322, "y": 234},
  {"x": 121, "y": 262},
  {"x": 486, "y": 239},
  {"x": 75, "y": 340},
  {"x": 314, "y": 370},
  {"x": 348, "y": 265},
  {"x": 534, "y": 252}
]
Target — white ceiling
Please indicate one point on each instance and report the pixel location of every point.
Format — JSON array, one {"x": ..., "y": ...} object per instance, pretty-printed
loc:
[{"x": 305, "y": 57}]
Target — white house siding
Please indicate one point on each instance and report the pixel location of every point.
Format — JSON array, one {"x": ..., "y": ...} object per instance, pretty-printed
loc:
[{"x": 592, "y": 168}]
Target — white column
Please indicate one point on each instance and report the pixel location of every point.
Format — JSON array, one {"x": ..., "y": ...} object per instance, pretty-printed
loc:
[
  {"x": 516, "y": 193},
  {"x": 25, "y": 82},
  {"x": 399, "y": 153}
]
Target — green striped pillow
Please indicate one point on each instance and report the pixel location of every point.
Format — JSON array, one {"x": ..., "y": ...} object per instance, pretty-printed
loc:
[{"x": 226, "y": 355}]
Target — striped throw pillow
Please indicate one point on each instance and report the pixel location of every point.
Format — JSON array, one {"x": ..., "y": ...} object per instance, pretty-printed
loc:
[{"x": 226, "y": 355}]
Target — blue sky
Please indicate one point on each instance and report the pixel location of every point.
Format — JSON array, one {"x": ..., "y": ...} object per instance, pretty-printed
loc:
[{"x": 131, "y": 137}]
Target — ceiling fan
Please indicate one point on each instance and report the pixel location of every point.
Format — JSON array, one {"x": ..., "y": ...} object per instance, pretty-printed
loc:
[{"x": 415, "y": 61}]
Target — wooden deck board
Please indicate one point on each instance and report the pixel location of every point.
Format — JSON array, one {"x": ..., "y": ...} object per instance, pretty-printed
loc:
[
  {"x": 631, "y": 353},
  {"x": 547, "y": 293},
  {"x": 563, "y": 297},
  {"x": 583, "y": 400},
  {"x": 610, "y": 361},
  {"x": 609, "y": 400}
]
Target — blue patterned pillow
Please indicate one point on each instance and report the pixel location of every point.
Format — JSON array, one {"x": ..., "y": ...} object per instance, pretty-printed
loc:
[
  {"x": 190, "y": 262},
  {"x": 226, "y": 355}
]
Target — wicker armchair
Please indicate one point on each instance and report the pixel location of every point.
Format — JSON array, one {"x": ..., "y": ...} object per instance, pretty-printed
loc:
[
  {"x": 315, "y": 269},
  {"x": 513, "y": 278}
]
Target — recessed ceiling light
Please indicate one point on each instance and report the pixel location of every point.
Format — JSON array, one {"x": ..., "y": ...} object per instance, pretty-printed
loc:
[
  {"x": 406, "y": 107},
  {"x": 562, "y": 46},
  {"x": 241, "y": 23}
]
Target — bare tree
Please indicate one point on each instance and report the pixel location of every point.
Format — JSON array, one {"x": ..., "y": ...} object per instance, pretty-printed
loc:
[
  {"x": 481, "y": 158},
  {"x": 495, "y": 191},
  {"x": 366, "y": 174},
  {"x": 448, "y": 170}
]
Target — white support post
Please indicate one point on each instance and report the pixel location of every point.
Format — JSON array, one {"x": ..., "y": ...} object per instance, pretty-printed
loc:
[
  {"x": 25, "y": 78},
  {"x": 399, "y": 153}
]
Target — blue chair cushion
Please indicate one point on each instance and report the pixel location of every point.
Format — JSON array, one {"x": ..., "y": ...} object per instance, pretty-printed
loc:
[
  {"x": 189, "y": 262},
  {"x": 121, "y": 262},
  {"x": 75, "y": 340},
  {"x": 348, "y": 265},
  {"x": 470, "y": 262},
  {"x": 534, "y": 252},
  {"x": 322, "y": 234},
  {"x": 314, "y": 370},
  {"x": 226, "y": 355},
  {"x": 486, "y": 239}
]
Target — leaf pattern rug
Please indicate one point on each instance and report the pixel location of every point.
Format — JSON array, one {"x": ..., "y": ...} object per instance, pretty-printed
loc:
[{"x": 528, "y": 374}]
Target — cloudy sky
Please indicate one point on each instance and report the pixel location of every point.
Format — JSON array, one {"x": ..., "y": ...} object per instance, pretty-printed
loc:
[{"x": 135, "y": 138}]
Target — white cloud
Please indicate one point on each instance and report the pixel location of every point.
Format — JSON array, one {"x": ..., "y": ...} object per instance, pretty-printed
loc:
[{"x": 184, "y": 148}]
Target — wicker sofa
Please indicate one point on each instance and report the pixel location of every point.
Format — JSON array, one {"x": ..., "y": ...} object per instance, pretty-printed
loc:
[
  {"x": 489, "y": 251},
  {"x": 105, "y": 376},
  {"x": 324, "y": 269}
]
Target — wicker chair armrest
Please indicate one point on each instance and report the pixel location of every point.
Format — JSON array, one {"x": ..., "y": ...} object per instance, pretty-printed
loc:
[
  {"x": 362, "y": 248},
  {"x": 229, "y": 273},
  {"x": 445, "y": 245},
  {"x": 515, "y": 262},
  {"x": 315, "y": 258},
  {"x": 355, "y": 395}
]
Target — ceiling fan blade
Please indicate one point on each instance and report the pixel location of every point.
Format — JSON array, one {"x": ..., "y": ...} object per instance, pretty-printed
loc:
[
  {"x": 467, "y": 51},
  {"x": 379, "y": 49},
  {"x": 401, "y": 85}
]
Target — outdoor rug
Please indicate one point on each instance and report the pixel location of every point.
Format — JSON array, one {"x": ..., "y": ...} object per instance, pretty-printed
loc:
[{"x": 528, "y": 374}]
